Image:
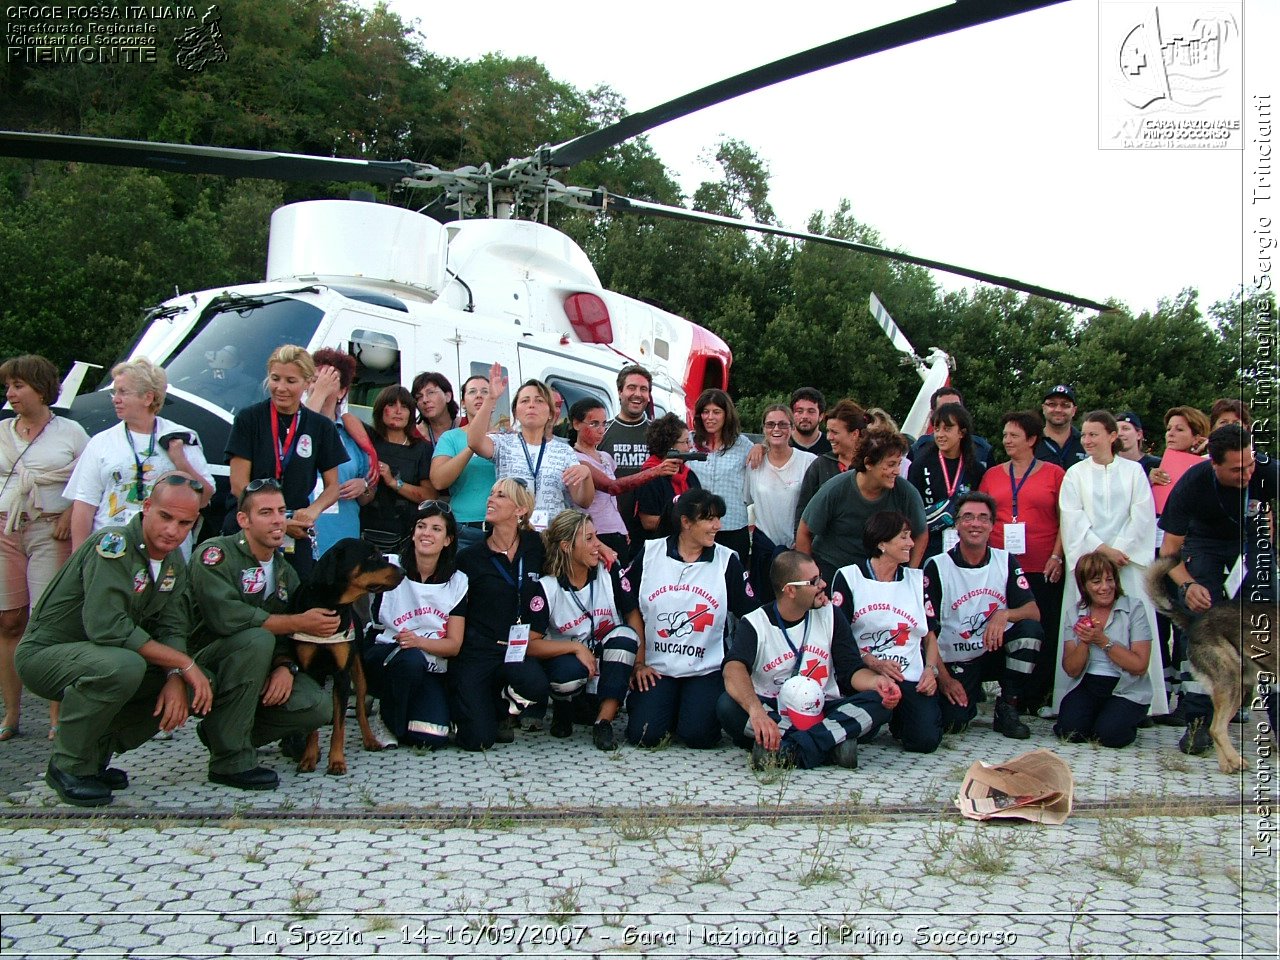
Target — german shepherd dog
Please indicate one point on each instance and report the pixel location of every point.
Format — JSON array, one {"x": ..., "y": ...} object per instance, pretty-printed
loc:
[
  {"x": 347, "y": 571},
  {"x": 1232, "y": 649}
]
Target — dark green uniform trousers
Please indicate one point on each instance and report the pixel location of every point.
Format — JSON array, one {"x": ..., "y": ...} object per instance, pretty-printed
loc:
[
  {"x": 108, "y": 699},
  {"x": 237, "y": 667}
]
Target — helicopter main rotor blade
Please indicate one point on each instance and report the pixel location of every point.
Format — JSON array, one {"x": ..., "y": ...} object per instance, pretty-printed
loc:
[
  {"x": 184, "y": 158},
  {"x": 610, "y": 202},
  {"x": 933, "y": 23}
]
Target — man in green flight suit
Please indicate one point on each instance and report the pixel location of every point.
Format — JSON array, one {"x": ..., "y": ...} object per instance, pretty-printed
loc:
[
  {"x": 241, "y": 590},
  {"x": 108, "y": 639}
]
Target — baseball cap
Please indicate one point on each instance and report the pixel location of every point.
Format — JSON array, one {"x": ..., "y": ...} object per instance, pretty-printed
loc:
[
  {"x": 802, "y": 702},
  {"x": 1131, "y": 418},
  {"x": 1061, "y": 390}
]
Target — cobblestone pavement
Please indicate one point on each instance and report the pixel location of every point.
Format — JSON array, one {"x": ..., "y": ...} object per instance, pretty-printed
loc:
[{"x": 551, "y": 848}]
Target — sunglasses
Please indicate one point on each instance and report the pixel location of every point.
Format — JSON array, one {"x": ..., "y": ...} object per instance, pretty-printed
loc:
[
  {"x": 442, "y": 506},
  {"x": 817, "y": 580},
  {"x": 777, "y": 425},
  {"x": 174, "y": 480},
  {"x": 253, "y": 486}
]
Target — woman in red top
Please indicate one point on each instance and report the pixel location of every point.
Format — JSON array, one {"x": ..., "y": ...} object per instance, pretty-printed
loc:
[{"x": 1026, "y": 494}]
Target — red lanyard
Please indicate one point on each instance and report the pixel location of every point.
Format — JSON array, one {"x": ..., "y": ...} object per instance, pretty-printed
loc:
[
  {"x": 284, "y": 453},
  {"x": 947, "y": 482}
]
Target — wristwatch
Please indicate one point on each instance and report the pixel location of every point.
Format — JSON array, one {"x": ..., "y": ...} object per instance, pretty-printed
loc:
[
  {"x": 1184, "y": 587},
  {"x": 1108, "y": 645},
  {"x": 291, "y": 666}
]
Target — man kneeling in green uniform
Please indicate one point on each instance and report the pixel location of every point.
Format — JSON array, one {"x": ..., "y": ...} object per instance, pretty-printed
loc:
[
  {"x": 241, "y": 586},
  {"x": 108, "y": 639}
]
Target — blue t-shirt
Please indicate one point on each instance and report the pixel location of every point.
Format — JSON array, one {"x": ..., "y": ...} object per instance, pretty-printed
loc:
[
  {"x": 469, "y": 494},
  {"x": 332, "y": 527}
]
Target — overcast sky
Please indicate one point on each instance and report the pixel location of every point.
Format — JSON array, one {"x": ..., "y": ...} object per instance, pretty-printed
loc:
[{"x": 979, "y": 148}]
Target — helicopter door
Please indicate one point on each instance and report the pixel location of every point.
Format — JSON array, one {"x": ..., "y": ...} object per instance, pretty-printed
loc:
[
  {"x": 476, "y": 354},
  {"x": 383, "y": 349}
]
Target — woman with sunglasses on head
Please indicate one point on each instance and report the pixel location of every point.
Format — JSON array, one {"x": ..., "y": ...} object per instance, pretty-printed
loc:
[
  {"x": 467, "y": 476},
  {"x": 547, "y": 464},
  {"x": 884, "y": 601},
  {"x": 491, "y": 681},
  {"x": 684, "y": 587},
  {"x": 774, "y": 486},
  {"x": 417, "y": 628},
  {"x": 115, "y": 472},
  {"x": 285, "y": 441},
  {"x": 38, "y": 452},
  {"x": 405, "y": 463},
  {"x": 578, "y": 637},
  {"x": 589, "y": 421}
]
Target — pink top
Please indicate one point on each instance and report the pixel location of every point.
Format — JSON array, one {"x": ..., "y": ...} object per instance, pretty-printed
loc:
[{"x": 1037, "y": 508}]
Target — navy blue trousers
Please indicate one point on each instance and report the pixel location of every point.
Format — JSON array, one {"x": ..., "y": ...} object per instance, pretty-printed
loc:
[
  {"x": 684, "y": 707},
  {"x": 412, "y": 698},
  {"x": 917, "y": 720},
  {"x": 1090, "y": 712}
]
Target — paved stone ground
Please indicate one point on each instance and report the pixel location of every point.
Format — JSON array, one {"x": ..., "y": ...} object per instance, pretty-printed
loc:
[{"x": 549, "y": 847}]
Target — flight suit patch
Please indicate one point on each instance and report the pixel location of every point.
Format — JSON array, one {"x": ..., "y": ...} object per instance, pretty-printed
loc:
[
  {"x": 212, "y": 556},
  {"x": 112, "y": 546}
]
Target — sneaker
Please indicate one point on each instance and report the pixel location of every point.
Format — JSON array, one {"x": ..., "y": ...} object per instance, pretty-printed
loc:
[
  {"x": 1242, "y": 716},
  {"x": 1196, "y": 742},
  {"x": 845, "y": 754},
  {"x": 1006, "y": 721},
  {"x": 562, "y": 718},
  {"x": 385, "y": 737},
  {"x": 602, "y": 735},
  {"x": 1047, "y": 713}
]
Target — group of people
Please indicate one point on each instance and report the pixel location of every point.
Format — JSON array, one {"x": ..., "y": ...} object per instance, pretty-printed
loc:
[{"x": 680, "y": 573}]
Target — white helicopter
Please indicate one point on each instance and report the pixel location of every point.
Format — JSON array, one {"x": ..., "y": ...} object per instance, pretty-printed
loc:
[{"x": 406, "y": 291}]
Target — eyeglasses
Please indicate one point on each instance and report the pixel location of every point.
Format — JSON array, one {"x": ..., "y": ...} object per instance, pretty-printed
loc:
[
  {"x": 777, "y": 425},
  {"x": 253, "y": 486},
  {"x": 593, "y": 424},
  {"x": 975, "y": 518},
  {"x": 521, "y": 481},
  {"x": 815, "y": 582},
  {"x": 177, "y": 480},
  {"x": 441, "y": 505},
  {"x": 429, "y": 392}
]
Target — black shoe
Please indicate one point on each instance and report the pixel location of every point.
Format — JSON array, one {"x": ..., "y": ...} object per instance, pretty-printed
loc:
[
  {"x": 762, "y": 759},
  {"x": 562, "y": 718},
  {"x": 506, "y": 731},
  {"x": 1242, "y": 716},
  {"x": 1196, "y": 742},
  {"x": 845, "y": 754},
  {"x": 78, "y": 791},
  {"x": 114, "y": 778},
  {"x": 1177, "y": 717},
  {"x": 1006, "y": 721},
  {"x": 293, "y": 746},
  {"x": 602, "y": 735},
  {"x": 259, "y": 778}
]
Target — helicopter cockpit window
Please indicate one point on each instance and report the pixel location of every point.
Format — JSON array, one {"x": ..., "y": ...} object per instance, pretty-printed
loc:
[
  {"x": 224, "y": 360},
  {"x": 571, "y": 391},
  {"x": 377, "y": 366}
]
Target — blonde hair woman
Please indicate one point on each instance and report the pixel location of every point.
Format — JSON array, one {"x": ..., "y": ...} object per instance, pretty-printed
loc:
[
  {"x": 491, "y": 686},
  {"x": 279, "y": 441}
]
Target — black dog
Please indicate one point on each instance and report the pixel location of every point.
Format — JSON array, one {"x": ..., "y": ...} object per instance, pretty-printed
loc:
[{"x": 347, "y": 571}]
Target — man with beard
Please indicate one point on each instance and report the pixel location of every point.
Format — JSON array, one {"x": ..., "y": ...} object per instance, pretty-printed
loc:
[
  {"x": 1060, "y": 441},
  {"x": 808, "y": 406}
]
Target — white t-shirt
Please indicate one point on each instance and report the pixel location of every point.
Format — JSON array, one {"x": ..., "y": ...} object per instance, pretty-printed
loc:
[
  {"x": 60, "y": 443},
  {"x": 107, "y": 473},
  {"x": 511, "y": 458},
  {"x": 775, "y": 491}
]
